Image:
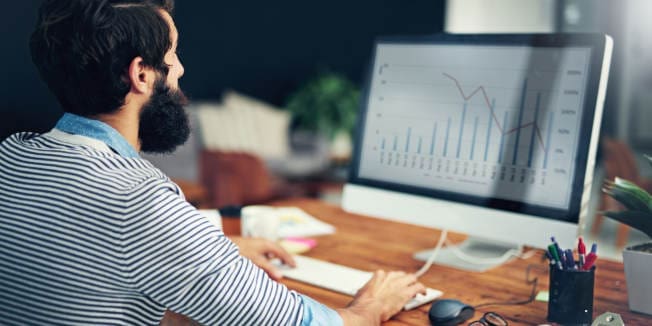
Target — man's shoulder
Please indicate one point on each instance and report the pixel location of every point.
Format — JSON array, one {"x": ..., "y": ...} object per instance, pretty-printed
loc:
[
  {"x": 74, "y": 163},
  {"x": 19, "y": 137}
]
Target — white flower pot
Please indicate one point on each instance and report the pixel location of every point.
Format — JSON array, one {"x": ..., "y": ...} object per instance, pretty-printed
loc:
[{"x": 638, "y": 270}]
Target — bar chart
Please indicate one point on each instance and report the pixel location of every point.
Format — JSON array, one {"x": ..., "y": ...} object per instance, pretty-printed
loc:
[
  {"x": 467, "y": 130},
  {"x": 485, "y": 124}
]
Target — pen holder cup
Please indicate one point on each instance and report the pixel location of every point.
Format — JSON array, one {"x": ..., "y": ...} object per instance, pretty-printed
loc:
[{"x": 571, "y": 296}]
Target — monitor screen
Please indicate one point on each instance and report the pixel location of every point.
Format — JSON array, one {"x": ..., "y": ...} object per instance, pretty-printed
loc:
[{"x": 495, "y": 123}]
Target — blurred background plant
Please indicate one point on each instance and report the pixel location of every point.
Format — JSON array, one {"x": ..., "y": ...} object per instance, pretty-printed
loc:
[
  {"x": 637, "y": 203},
  {"x": 327, "y": 104}
]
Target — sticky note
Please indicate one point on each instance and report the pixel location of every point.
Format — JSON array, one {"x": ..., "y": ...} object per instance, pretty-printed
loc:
[
  {"x": 294, "y": 247},
  {"x": 542, "y": 296},
  {"x": 308, "y": 242}
]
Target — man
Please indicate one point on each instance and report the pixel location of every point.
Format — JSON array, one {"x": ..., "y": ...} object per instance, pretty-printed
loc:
[{"x": 90, "y": 233}]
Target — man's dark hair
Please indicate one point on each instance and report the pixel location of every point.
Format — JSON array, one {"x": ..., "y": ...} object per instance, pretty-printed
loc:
[{"x": 83, "y": 49}]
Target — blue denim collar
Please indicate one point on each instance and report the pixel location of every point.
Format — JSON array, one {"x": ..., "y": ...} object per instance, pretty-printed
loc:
[{"x": 74, "y": 124}]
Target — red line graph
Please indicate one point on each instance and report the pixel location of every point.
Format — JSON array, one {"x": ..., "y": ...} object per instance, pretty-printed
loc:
[{"x": 482, "y": 90}]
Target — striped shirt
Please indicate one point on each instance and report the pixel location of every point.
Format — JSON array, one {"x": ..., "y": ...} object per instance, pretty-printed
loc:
[{"x": 90, "y": 233}]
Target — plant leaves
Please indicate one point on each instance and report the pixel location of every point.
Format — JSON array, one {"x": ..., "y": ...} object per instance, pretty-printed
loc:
[
  {"x": 639, "y": 220},
  {"x": 629, "y": 194},
  {"x": 629, "y": 201},
  {"x": 326, "y": 104}
]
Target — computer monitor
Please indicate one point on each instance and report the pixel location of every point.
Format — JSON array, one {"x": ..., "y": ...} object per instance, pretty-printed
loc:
[{"x": 494, "y": 136}]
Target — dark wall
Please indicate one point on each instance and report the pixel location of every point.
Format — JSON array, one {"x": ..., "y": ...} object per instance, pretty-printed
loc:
[
  {"x": 25, "y": 102},
  {"x": 262, "y": 48}
]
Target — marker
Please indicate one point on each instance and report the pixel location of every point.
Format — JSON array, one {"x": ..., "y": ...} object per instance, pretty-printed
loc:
[
  {"x": 559, "y": 250},
  {"x": 555, "y": 255},
  {"x": 581, "y": 249},
  {"x": 591, "y": 257},
  {"x": 590, "y": 260}
]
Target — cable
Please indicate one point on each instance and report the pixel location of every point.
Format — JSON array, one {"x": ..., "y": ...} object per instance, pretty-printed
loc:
[
  {"x": 533, "y": 294},
  {"x": 433, "y": 255},
  {"x": 510, "y": 254},
  {"x": 507, "y": 256}
]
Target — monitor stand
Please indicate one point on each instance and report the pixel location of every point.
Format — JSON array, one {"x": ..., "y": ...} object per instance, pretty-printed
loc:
[{"x": 473, "y": 247}]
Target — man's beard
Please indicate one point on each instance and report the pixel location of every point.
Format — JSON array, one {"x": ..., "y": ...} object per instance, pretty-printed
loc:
[{"x": 163, "y": 122}]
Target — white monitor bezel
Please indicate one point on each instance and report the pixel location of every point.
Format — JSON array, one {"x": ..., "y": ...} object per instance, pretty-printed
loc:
[{"x": 513, "y": 223}]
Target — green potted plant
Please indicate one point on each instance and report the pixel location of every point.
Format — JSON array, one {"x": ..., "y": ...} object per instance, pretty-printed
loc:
[
  {"x": 637, "y": 259},
  {"x": 327, "y": 105}
]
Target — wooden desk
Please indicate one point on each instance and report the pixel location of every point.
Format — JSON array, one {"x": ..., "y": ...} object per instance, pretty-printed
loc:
[{"x": 369, "y": 244}]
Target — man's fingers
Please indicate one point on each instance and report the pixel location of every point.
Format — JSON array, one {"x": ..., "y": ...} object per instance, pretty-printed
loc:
[
  {"x": 379, "y": 275},
  {"x": 279, "y": 252},
  {"x": 407, "y": 279},
  {"x": 271, "y": 270},
  {"x": 415, "y": 289}
]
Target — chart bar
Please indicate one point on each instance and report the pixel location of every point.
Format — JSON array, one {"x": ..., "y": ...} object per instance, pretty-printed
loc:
[
  {"x": 502, "y": 139},
  {"x": 395, "y": 143},
  {"x": 548, "y": 146},
  {"x": 448, "y": 129},
  {"x": 534, "y": 131},
  {"x": 459, "y": 141},
  {"x": 475, "y": 132},
  {"x": 520, "y": 121},
  {"x": 419, "y": 146},
  {"x": 407, "y": 141},
  {"x": 432, "y": 144},
  {"x": 382, "y": 146},
  {"x": 490, "y": 123}
]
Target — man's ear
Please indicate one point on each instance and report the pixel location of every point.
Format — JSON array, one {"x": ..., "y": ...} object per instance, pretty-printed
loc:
[{"x": 140, "y": 76}]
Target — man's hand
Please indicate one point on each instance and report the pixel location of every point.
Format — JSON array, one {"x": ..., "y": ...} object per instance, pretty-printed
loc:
[
  {"x": 261, "y": 251},
  {"x": 381, "y": 298}
]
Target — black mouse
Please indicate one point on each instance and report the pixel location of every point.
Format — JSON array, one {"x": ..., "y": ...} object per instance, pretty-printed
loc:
[{"x": 449, "y": 312}]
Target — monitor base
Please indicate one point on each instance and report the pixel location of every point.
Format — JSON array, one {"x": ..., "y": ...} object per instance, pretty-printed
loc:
[{"x": 487, "y": 253}]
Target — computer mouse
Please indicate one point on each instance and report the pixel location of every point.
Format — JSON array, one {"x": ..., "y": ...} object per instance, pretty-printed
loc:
[{"x": 449, "y": 312}]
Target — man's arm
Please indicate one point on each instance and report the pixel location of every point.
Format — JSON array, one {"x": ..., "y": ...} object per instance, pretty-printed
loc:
[
  {"x": 186, "y": 264},
  {"x": 382, "y": 297}
]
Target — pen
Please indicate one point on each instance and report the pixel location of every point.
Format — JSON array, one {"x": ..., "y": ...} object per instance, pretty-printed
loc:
[
  {"x": 551, "y": 259},
  {"x": 569, "y": 259},
  {"x": 554, "y": 241},
  {"x": 581, "y": 250}
]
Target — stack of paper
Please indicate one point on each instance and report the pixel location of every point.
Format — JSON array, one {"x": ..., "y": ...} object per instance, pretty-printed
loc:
[{"x": 294, "y": 222}]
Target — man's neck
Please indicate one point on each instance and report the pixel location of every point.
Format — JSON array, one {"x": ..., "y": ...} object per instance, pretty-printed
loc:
[{"x": 126, "y": 122}]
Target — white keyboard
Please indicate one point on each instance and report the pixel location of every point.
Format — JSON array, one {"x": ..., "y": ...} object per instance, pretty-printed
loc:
[{"x": 341, "y": 279}]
